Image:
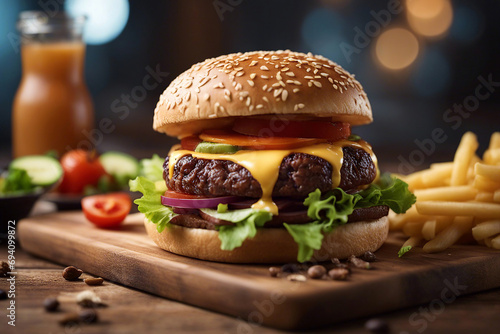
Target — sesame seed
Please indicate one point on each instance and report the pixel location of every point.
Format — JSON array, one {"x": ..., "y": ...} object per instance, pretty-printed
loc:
[
  {"x": 316, "y": 70},
  {"x": 264, "y": 68},
  {"x": 278, "y": 76},
  {"x": 264, "y": 77},
  {"x": 228, "y": 98},
  {"x": 324, "y": 74},
  {"x": 252, "y": 76},
  {"x": 269, "y": 89},
  {"x": 284, "y": 69},
  {"x": 301, "y": 105},
  {"x": 317, "y": 77},
  {"x": 219, "y": 85},
  {"x": 244, "y": 93},
  {"x": 289, "y": 81},
  {"x": 206, "y": 97},
  {"x": 335, "y": 86},
  {"x": 248, "y": 101},
  {"x": 188, "y": 96},
  {"x": 308, "y": 77},
  {"x": 265, "y": 99},
  {"x": 309, "y": 84},
  {"x": 274, "y": 57},
  {"x": 277, "y": 92},
  {"x": 298, "y": 83},
  {"x": 238, "y": 86},
  {"x": 250, "y": 108},
  {"x": 253, "y": 63},
  {"x": 284, "y": 94},
  {"x": 251, "y": 83},
  {"x": 276, "y": 84},
  {"x": 259, "y": 106},
  {"x": 227, "y": 92},
  {"x": 240, "y": 73},
  {"x": 197, "y": 90},
  {"x": 295, "y": 90},
  {"x": 330, "y": 79},
  {"x": 290, "y": 74},
  {"x": 265, "y": 87}
]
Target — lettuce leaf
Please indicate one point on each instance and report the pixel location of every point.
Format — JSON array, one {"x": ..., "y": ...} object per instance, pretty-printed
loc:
[
  {"x": 308, "y": 236},
  {"x": 150, "y": 202},
  {"x": 245, "y": 225},
  {"x": 152, "y": 168},
  {"x": 333, "y": 208}
]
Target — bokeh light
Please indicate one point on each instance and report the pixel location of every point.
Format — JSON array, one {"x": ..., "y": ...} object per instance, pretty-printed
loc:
[
  {"x": 467, "y": 24},
  {"x": 322, "y": 33},
  {"x": 432, "y": 74},
  {"x": 429, "y": 18},
  {"x": 396, "y": 48},
  {"x": 106, "y": 19}
]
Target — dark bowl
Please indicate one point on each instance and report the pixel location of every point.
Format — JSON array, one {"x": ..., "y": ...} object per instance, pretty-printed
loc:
[{"x": 15, "y": 208}]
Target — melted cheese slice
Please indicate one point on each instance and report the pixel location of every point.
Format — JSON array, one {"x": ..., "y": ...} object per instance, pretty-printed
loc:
[{"x": 264, "y": 165}]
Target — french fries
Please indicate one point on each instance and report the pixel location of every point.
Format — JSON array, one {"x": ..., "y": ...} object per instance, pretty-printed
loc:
[{"x": 455, "y": 199}]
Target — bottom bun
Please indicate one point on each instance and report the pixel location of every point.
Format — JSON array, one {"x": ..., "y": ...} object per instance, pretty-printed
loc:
[{"x": 270, "y": 245}]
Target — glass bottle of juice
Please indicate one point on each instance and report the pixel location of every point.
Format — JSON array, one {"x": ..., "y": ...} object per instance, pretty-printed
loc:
[{"x": 52, "y": 108}]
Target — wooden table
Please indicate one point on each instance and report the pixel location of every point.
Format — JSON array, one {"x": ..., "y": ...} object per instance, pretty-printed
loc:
[{"x": 133, "y": 311}]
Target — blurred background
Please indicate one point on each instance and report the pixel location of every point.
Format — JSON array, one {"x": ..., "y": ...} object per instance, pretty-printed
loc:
[{"x": 420, "y": 61}]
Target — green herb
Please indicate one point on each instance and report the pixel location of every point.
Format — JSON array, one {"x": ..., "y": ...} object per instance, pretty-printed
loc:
[
  {"x": 221, "y": 208},
  {"x": 354, "y": 138},
  {"x": 152, "y": 168},
  {"x": 404, "y": 250}
]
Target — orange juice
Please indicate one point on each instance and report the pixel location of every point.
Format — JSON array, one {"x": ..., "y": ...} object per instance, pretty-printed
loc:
[{"x": 52, "y": 109}]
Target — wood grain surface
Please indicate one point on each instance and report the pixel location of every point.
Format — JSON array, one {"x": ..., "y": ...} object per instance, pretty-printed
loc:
[{"x": 127, "y": 256}]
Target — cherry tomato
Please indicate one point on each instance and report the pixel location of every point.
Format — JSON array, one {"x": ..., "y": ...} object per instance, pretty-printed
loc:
[
  {"x": 296, "y": 129},
  {"x": 174, "y": 194},
  {"x": 81, "y": 168},
  {"x": 108, "y": 210},
  {"x": 258, "y": 143},
  {"x": 190, "y": 143}
]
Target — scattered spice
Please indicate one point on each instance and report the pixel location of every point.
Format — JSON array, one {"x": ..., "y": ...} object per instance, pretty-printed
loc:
[
  {"x": 316, "y": 272},
  {"x": 274, "y": 271},
  {"x": 290, "y": 268},
  {"x": 71, "y": 273},
  {"x": 358, "y": 263},
  {"x": 93, "y": 281},
  {"x": 69, "y": 318},
  {"x": 3, "y": 294},
  {"x": 51, "y": 304},
  {"x": 88, "y": 316},
  {"x": 376, "y": 325},
  {"x": 337, "y": 264},
  {"x": 89, "y": 299},
  {"x": 338, "y": 274},
  {"x": 4, "y": 269},
  {"x": 369, "y": 257},
  {"x": 296, "y": 278}
]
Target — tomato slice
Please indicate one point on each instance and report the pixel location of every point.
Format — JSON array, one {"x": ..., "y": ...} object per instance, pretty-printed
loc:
[
  {"x": 107, "y": 211},
  {"x": 175, "y": 194},
  {"x": 258, "y": 143},
  {"x": 190, "y": 143},
  {"x": 297, "y": 129}
]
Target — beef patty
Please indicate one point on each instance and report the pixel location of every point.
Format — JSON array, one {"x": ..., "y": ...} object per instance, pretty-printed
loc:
[{"x": 299, "y": 175}]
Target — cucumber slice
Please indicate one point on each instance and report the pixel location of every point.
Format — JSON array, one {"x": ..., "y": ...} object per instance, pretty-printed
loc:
[
  {"x": 217, "y": 148},
  {"x": 43, "y": 170},
  {"x": 119, "y": 164}
]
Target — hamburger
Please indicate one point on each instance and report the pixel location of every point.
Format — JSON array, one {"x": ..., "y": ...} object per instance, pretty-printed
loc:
[{"x": 267, "y": 170}]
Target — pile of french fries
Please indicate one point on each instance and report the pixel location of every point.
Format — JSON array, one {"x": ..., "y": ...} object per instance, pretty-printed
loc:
[{"x": 456, "y": 201}]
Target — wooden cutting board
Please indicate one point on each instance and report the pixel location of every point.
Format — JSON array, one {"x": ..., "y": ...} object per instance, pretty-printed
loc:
[{"x": 129, "y": 257}]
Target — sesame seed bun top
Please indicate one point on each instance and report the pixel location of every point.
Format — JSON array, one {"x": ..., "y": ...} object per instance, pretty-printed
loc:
[{"x": 211, "y": 93}]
